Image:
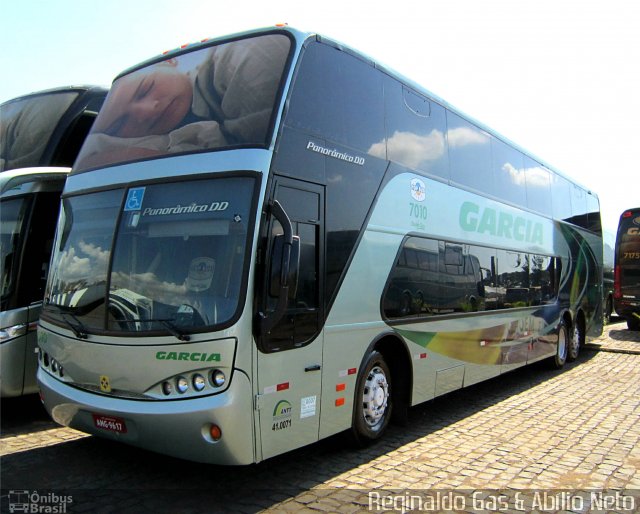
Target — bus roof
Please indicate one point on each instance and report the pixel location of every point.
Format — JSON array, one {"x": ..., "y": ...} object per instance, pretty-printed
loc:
[{"x": 302, "y": 38}]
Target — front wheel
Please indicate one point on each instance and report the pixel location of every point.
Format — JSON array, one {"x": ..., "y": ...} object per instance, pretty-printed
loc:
[{"x": 372, "y": 406}]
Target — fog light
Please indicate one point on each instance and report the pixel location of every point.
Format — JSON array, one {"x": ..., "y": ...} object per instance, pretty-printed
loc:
[
  {"x": 167, "y": 388},
  {"x": 217, "y": 378},
  {"x": 182, "y": 385},
  {"x": 199, "y": 382},
  {"x": 45, "y": 359},
  {"x": 54, "y": 365},
  {"x": 215, "y": 432}
]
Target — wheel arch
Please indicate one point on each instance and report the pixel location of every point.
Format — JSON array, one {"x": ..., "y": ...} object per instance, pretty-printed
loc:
[{"x": 397, "y": 356}]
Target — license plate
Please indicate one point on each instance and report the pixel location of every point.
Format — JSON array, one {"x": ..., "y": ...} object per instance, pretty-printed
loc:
[{"x": 110, "y": 423}]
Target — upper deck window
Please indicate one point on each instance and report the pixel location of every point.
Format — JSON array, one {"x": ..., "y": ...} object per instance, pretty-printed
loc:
[
  {"x": 217, "y": 97},
  {"x": 339, "y": 98}
]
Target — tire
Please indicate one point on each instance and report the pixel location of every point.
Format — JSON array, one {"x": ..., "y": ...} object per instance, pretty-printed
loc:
[
  {"x": 372, "y": 405},
  {"x": 575, "y": 341},
  {"x": 608, "y": 310},
  {"x": 562, "y": 348}
]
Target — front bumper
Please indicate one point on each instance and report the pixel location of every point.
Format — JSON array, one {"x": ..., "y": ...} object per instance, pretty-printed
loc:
[{"x": 179, "y": 428}]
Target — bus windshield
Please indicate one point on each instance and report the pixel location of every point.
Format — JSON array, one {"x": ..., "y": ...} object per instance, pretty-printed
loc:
[
  {"x": 14, "y": 212},
  {"x": 177, "y": 262},
  {"x": 218, "y": 97},
  {"x": 628, "y": 249}
]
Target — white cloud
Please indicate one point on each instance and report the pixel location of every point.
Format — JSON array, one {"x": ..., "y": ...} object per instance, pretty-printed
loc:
[
  {"x": 516, "y": 175},
  {"x": 463, "y": 136},
  {"x": 411, "y": 149}
]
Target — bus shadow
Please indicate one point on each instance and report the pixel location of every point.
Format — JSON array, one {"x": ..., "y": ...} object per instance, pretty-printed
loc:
[
  {"x": 23, "y": 415},
  {"x": 101, "y": 474},
  {"x": 632, "y": 336}
]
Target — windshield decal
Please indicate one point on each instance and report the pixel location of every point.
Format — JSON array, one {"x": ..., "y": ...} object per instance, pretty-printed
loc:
[
  {"x": 134, "y": 199},
  {"x": 212, "y": 98},
  {"x": 188, "y": 209}
]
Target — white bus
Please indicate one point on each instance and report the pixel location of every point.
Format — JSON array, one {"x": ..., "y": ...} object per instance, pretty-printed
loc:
[
  {"x": 40, "y": 136},
  {"x": 226, "y": 270}
]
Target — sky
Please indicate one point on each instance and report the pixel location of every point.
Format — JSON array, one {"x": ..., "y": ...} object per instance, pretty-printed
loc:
[{"x": 561, "y": 78}]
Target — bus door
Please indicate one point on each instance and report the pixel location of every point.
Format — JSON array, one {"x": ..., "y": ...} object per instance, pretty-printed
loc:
[{"x": 290, "y": 356}]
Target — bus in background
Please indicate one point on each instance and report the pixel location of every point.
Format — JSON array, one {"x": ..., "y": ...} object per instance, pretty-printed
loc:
[
  {"x": 229, "y": 268},
  {"x": 627, "y": 268},
  {"x": 40, "y": 137}
]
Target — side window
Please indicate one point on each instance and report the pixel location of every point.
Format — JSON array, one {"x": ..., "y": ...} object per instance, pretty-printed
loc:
[
  {"x": 538, "y": 187},
  {"x": 513, "y": 269},
  {"x": 579, "y": 208},
  {"x": 561, "y": 197},
  {"x": 485, "y": 277},
  {"x": 438, "y": 278},
  {"x": 593, "y": 206},
  {"x": 469, "y": 154},
  {"x": 413, "y": 287},
  {"x": 307, "y": 292},
  {"x": 461, "y": 281},
  {"x": 338, "y": 97},
  {"x": 415, "y": 130},
  {"x": 544, "y": 280},
  {"x": 508, "y": 173}
]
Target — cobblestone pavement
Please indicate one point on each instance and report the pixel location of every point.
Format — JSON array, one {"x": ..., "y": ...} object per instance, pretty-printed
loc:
[{"x": 567, "y": 435}]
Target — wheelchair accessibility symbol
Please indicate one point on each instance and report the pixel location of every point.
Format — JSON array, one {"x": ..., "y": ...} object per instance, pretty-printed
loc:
[{"x": 134, "y": 199}]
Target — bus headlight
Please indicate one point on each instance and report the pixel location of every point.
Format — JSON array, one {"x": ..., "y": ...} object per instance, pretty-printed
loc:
[
  {"x": 182, "y": 385},
  {"x": 217, "y": 378},
  {"x": 167, "y": 388},
  {"x": 199, "y": 382}
]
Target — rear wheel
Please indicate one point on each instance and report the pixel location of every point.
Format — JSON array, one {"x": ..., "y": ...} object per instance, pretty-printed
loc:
[
  {"x": 575, "y": 341},
  {"x": 372, "y": 406},
  {"x": 562, "y": 347},
  {"x": 608, "y": 310}
]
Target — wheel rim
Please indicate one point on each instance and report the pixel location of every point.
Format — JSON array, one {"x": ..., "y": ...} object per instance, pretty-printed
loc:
[
  {"x": 562, "y": 344},
  {"x": 375, "y": 397}
]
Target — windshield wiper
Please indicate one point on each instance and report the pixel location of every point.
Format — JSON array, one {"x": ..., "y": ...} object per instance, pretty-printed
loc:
[
  {"x": 172, "y": 329},
  {"x": 166, "y": 323},
  {"x": 77, "y": 327}
]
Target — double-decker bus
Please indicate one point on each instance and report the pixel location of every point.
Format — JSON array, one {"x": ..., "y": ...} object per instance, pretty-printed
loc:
[
  {"x": 40, "y": 136},
  {"x": 239, "y": 229},
  {"x": 626, "y": 290}
]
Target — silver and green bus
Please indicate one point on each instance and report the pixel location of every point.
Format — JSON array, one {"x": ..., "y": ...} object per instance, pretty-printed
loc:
[
  {"x": 40, "y": 136},
  {"x": 269, "y": 238}
]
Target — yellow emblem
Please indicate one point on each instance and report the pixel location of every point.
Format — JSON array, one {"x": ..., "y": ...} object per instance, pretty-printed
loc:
[{"x": 105, "y": 385}]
